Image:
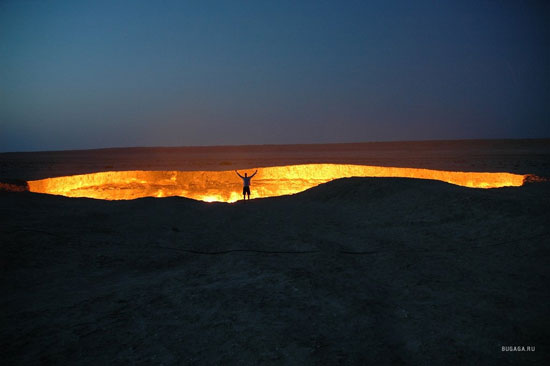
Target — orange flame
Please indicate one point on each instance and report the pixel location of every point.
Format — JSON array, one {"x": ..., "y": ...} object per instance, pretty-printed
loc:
[{"x": 225, "y": 186}]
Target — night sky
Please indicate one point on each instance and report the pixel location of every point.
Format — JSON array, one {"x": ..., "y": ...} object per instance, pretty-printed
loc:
[{"x": 91, "y": 74}]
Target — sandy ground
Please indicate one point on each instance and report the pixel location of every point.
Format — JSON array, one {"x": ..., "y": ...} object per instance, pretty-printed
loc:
[
  {"x": 355, "y": 271},
  {"x": 513, "y": 156}
]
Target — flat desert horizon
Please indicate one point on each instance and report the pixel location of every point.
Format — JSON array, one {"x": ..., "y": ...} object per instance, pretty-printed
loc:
[
  {"x": 352, "y": 271},
  {"x": 521, "y": 156}
]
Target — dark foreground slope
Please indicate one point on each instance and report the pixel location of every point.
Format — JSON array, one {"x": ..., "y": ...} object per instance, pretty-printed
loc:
[{"x": 392, "y": 271}]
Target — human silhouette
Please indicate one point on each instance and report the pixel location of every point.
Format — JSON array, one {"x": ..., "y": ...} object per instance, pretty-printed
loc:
[{"x": 246, "y": 183}]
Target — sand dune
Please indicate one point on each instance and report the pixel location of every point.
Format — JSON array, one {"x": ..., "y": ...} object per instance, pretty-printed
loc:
[{"x": 390, "y": 271}]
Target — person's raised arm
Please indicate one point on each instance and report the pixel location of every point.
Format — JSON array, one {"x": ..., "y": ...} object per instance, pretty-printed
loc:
[
  {"x": 238, "y": 174},
  {"x": 254, "y": 173}
]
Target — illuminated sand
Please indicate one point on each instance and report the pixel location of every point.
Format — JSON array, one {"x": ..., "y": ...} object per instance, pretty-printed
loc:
[{"x": 225, "y": 186}]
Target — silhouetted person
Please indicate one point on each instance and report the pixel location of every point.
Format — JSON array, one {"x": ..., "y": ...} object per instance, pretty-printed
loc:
[{"x": 246, "y": 183}]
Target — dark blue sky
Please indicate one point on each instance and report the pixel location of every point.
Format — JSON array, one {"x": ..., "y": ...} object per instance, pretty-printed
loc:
[{"x": 89, "y": 74}]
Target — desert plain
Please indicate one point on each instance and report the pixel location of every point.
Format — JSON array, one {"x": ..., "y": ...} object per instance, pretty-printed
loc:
[{"x": 354, "y": 271}]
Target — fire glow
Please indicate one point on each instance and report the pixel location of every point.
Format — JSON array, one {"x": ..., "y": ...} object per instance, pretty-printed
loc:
[{"x": 226, "y": 186}]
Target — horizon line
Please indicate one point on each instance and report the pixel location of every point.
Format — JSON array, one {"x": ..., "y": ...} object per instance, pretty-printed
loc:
[{"x": 269, "y": 145}]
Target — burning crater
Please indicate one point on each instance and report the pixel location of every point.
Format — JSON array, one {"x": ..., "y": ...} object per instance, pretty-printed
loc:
[{"x": 226, "y": 186}]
